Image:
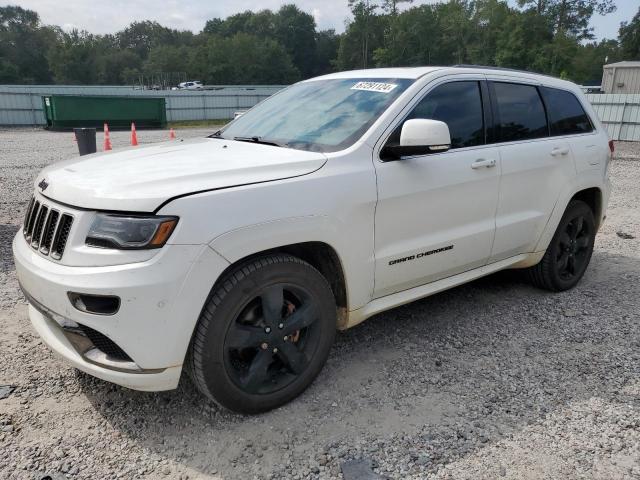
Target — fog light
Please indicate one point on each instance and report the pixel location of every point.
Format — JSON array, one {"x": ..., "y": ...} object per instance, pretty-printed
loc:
[{"x": 96, "y": 304}]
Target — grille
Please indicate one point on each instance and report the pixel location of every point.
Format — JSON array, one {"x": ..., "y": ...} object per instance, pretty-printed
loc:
[
  {"x": 105, "y": 344},
  {"x": 37, "y": 228},
  {"x": 49, "y": 230},
  {"x": 28, "y": 216},
  {"x": 33, "y": 213},
  {"x": 61, "y": 236},
  {"x": 46, "y": 229}
]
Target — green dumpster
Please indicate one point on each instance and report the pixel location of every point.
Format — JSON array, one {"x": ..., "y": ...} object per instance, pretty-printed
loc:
[{"x": 69, "y": 111}]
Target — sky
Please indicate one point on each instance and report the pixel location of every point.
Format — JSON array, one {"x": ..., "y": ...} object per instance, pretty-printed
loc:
[{"x": 108, "y": 16}]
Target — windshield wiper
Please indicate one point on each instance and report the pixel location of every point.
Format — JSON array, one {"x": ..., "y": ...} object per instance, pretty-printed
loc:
[{"x": 260, "y": 141}]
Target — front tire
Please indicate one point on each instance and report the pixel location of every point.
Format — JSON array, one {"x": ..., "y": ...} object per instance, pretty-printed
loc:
[
  {"x": 569, "y": 252},
  {"x": 264, "y": 334}
]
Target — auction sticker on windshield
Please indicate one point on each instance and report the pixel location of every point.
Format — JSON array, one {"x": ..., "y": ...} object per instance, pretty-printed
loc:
[{"x": 374, "y": 87}]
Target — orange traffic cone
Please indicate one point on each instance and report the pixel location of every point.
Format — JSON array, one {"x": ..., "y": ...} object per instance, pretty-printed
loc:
[
  {"x": 172, "y": 134},
  {"x": 134, "y": 136},
  {"x": 107, "y": 140}
]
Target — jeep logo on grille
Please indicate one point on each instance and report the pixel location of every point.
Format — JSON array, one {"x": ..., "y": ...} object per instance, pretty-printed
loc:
[{"x": 43, "y": 185}]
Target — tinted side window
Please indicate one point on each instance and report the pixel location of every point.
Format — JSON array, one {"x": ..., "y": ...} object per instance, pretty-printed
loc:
[
  {"x": 566, "y": 115},
  {"x": 521, "y": 114},
  {"x": 459, "y": 105}
]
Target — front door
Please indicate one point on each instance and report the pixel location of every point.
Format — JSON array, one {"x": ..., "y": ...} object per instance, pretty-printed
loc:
[{"x": 436, "y": 213}]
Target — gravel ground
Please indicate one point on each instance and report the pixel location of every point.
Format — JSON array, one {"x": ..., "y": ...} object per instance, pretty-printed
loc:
[{"x": 494, "y": 379}]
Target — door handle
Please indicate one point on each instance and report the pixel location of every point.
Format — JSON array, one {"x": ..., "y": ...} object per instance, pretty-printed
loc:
[
  {"x": 482, "y": 163},
  {"x": 556, "y": 152}
]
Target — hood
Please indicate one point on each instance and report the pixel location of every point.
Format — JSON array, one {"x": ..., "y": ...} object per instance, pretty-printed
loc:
[{"x": 141, "y": 178}]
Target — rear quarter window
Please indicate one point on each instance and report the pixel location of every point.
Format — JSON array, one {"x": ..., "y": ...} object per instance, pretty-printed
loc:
[{"x": 566, "y": 115}]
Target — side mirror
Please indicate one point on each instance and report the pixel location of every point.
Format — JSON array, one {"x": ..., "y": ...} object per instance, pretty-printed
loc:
[{"x": 420, "y": 136}]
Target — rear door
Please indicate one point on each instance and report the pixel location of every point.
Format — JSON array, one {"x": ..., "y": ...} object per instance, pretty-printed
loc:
[{"x": 534, "y": 167}]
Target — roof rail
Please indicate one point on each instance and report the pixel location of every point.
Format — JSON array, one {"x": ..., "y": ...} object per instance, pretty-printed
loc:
[{"x": 504, "y": 69}]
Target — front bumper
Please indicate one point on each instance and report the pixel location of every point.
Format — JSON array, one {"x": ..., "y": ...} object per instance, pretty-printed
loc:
[
  {"x": 161, "y": 300},
  {"x": 57, "y": 340}
]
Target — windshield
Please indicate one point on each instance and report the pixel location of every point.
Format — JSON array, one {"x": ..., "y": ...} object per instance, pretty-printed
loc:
[{"x": 321, "y": 115}]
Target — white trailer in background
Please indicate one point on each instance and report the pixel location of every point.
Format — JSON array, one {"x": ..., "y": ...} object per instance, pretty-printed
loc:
[{"x": 621, "y": 77}]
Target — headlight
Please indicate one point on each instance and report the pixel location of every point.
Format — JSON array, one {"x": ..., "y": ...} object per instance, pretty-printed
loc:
[{"x": 127, "y": 233}]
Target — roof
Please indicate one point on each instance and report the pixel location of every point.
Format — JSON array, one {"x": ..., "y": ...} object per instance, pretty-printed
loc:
[
  {"x": 417, "y": 72},
  {"x": 400, "y": 72},
  {"x": 626, "y": 64}
]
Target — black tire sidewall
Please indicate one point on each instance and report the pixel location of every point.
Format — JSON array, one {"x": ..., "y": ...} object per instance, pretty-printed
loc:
[
  {"x": 218, "y": 383},
  {"x": 574, "y": 209}
]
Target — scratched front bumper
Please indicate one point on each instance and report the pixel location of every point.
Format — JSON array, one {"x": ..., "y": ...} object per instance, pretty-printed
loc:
[{"x": 161, "y": 299}]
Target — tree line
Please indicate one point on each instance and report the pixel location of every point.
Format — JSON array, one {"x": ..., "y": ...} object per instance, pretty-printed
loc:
[{"x": 283, "y": 46}]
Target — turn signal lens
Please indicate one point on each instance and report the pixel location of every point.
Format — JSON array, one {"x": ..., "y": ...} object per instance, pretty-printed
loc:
[{"x": 163, "y": 233}]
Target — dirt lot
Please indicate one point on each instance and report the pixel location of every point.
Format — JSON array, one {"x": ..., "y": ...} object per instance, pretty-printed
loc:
[{"x": 490, "y": 380}]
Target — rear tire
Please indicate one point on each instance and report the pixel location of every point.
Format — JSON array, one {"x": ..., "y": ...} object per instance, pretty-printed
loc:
[
  {"x": 569, "y": 252},
  {"x": 264, "y": 334}
]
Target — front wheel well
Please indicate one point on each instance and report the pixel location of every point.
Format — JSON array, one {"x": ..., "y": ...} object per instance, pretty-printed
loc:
[
  {"x": 324, "y": 259},
  {"x": 593, "y": 198}
]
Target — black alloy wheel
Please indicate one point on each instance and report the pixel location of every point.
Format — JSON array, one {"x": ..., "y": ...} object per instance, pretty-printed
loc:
[
  {"x": 270, "y": 343},
  {"x": 569, "y": 252},
  {"x": 264, "y": 334},
  {"x": 573, "y": 250}
]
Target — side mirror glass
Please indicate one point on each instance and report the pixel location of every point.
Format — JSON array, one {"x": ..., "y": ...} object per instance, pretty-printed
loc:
[{"x": 420, "y": 136}]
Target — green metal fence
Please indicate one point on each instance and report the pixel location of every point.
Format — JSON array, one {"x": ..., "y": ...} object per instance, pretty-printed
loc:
[
  {"x": 23, "y": 104},
  {"x": 620, "y": 114}
]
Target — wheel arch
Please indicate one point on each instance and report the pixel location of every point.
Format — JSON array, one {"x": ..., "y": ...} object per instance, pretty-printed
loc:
[
  {"x": 323, "y": 257},
  {"x": 591, "y": 194},
  {"x": 592, "y": 197}
]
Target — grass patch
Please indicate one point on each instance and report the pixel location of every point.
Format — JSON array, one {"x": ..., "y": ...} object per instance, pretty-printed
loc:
[{"x": 197, "y": 124}]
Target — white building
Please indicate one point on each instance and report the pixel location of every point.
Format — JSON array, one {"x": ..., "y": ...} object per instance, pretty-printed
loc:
[{"x": 621, "y": 77}]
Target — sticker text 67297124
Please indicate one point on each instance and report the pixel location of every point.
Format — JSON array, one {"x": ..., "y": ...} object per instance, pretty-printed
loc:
[{"x": 374, "y": 87}]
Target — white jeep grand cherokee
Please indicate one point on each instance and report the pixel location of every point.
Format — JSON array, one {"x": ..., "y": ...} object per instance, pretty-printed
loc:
[{"x": 236, "y": 257}]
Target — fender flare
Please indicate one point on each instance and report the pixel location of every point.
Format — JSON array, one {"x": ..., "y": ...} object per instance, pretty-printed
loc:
[
  {"x": 243, "y": 242},
  {"x": 592, "y": 180}
]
